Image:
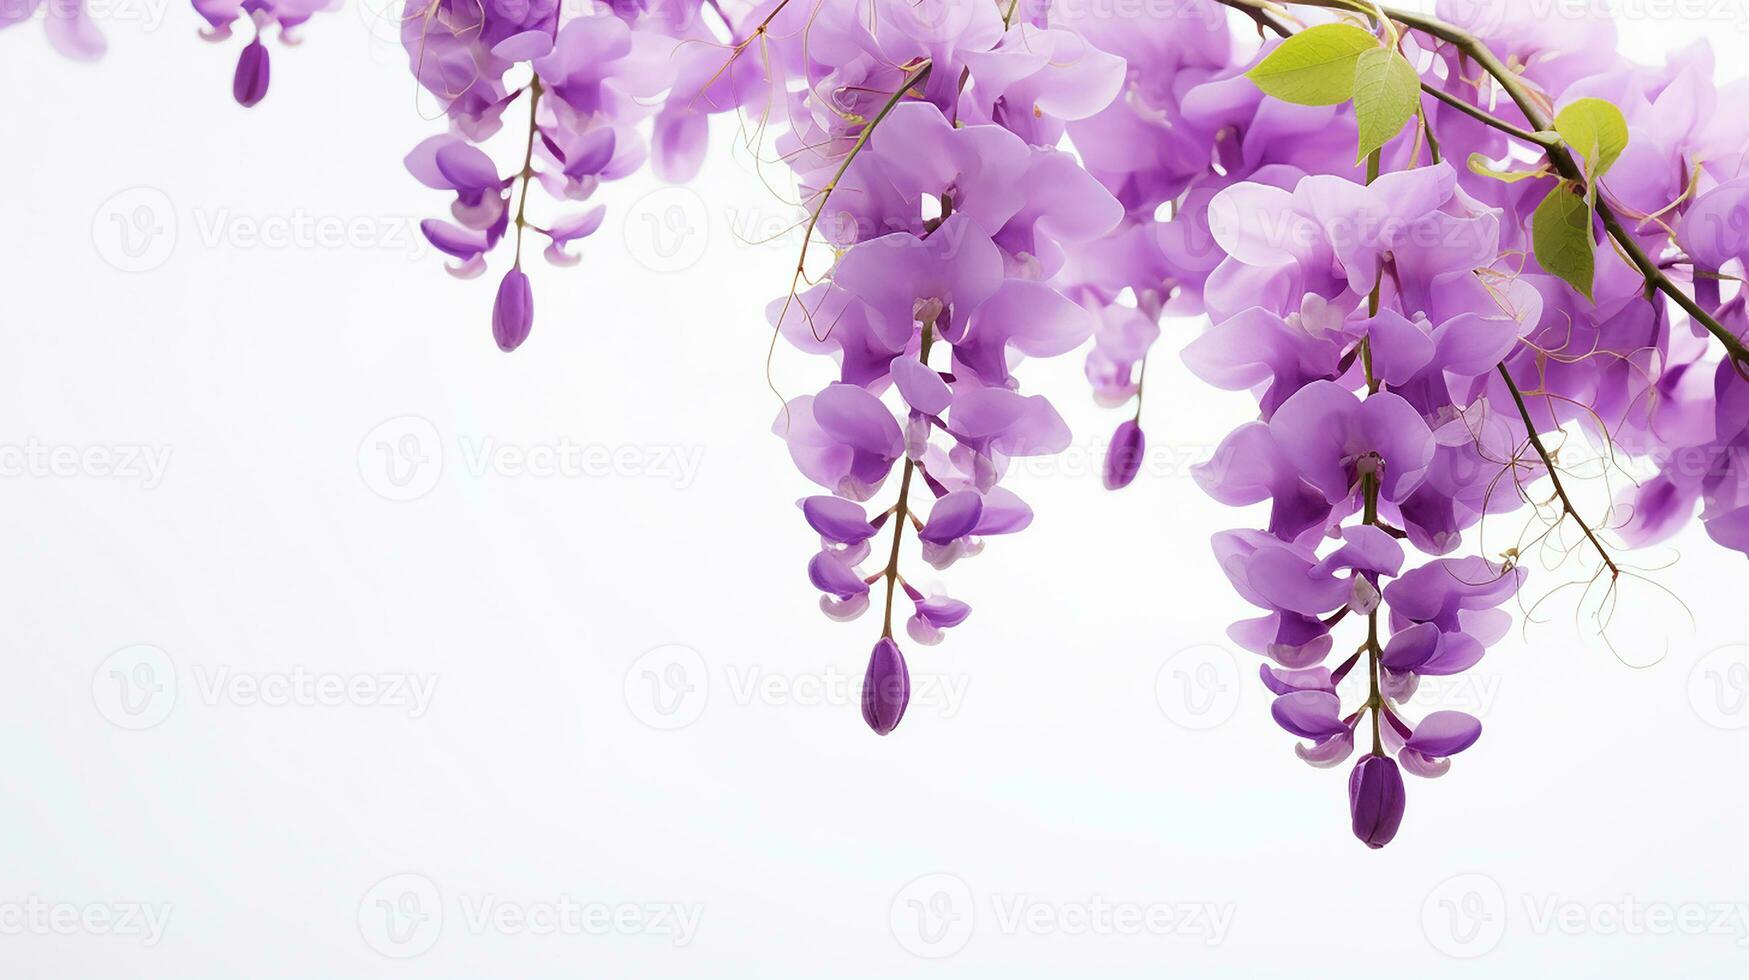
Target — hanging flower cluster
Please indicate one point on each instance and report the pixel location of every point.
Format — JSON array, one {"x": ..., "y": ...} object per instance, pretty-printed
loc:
[
  {"x": 587, "y": 83},
  {"x": 1427, "y": 244},
  {"x": 924, "y": 141},
  {"x": 1414, "y": 332}
]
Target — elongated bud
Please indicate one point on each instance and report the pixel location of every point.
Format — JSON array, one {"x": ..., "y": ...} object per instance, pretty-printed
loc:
[
  {"x": 513, "y": 311},
  {"x": 1124, "y": 460},
  {"x": 886, "y": 687},
  {"x": 1375, "y": 800},
  {"x": 249, "y": 85}
]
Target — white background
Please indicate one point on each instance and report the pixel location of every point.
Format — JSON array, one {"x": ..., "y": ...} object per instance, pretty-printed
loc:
[{"x": 1087, "y": 741}]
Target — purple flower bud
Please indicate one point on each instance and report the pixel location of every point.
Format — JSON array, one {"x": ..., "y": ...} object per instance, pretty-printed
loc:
[
  {"x": 886, "y": 687},
  {"x": 1375, "y": 800},
  {"x": 954, "y": 516},
  {"x": 249, "y": 85},
  {"x": 513, "y": 311},
  {"x": 1124, "y": 460}
]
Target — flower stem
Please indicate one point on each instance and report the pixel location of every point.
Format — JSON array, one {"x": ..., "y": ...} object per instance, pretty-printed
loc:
[
  {"x": 1375, "y": 701},
  {"x": 902, "y": 508},
  {"x": 534, "y": 92},
  {"x": 1369, "y": 483}
]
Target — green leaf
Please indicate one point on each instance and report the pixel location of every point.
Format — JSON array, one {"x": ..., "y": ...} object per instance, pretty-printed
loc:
[
  {"x": 1387, "y": 94},
  {"x": 1479, "y": 165},
  {"x": 1596, "y": 131},
  {"x": 1561, "y": 233},
  {"x": 1315, "y": 66}
]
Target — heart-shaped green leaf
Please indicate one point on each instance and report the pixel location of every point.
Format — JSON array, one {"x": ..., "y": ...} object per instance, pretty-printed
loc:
[
  {"x": 1315, "y": 66},
  {"x": 1387, "y": 94},
  {"x": 1596, "y": 131},
  {"x": 1561, "y": 234}
]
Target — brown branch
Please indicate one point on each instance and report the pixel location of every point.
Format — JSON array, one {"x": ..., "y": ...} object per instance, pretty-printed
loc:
[{"x": 1568, "y": 510}]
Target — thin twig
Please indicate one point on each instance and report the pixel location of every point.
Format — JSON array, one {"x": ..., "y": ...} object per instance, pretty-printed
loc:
[
  {"x": 917, "y": 74},
  {"x": 1549, "y": 464}
]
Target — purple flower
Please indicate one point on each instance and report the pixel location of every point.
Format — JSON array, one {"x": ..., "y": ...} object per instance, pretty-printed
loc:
[
  {"x": 843, "y": 439},
  {"x": 1436, "y": 739},
  {"x": 249, "y": 86},
  {"x": 956, "y": 515},
  {"x": 587, "y": 80},
  {"x": 838, "y": 520},
  {"x": 886, "y": 687},
  {"x": 1312, "y": 714},
  {"x": 1021, "y": 317},
  {"x": 1290, "y": 639},
  {"x": 1334, "y": 439},
  {"x": 512, "y": 311},
  {"x": 933, "y": 615},
  {"x": 1124, "y": 459},
  {"x": 1375, "y": 800},
  {"x": 831, "y": 574},
  {"x": 567, "y": 230},
  {"x": 1249, "y": 467},
  {"x": 953, "y": 270},
  {"x": 996, "y": 424},
  {"x": 1276, "y": 575},
  {"x": 1454, "y": 594}
]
